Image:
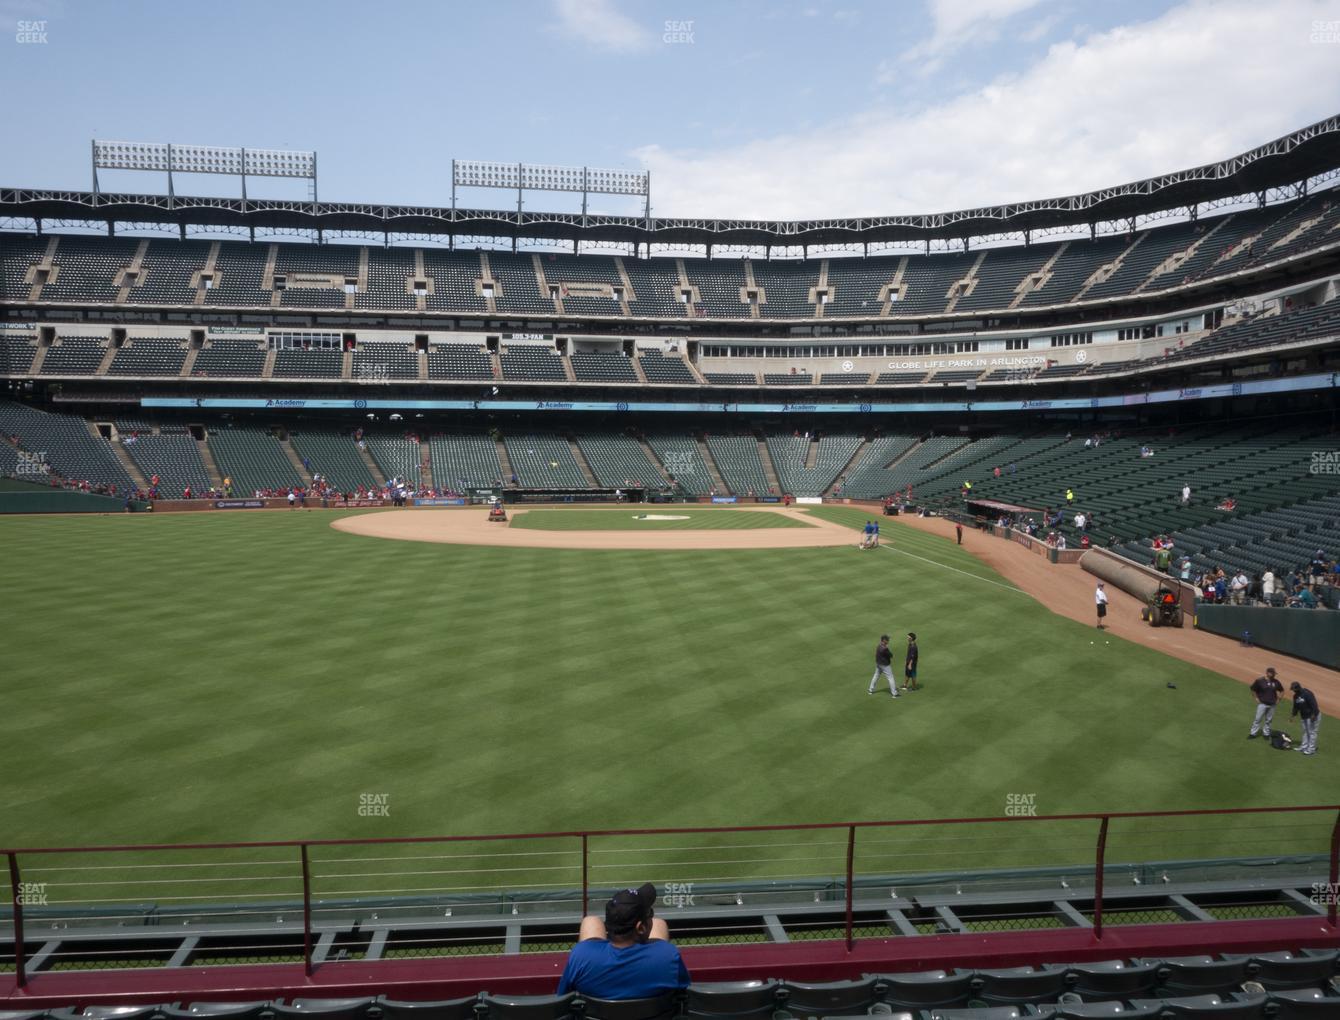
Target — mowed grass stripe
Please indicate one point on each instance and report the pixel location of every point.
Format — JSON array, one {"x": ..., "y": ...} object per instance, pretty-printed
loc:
[
  {"x": 627, "y": 519},
  {"x": 216, "y": 677}
]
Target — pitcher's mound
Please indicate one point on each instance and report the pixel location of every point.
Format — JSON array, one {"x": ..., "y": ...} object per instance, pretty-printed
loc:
[{"x": 469, "y": 526}]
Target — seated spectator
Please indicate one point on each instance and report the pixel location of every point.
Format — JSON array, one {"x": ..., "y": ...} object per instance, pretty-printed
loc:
[
  {"x": 1319, "y": 567},
  {"x": 627, "y": 956},
  {"x": 1304, "y": 598}
]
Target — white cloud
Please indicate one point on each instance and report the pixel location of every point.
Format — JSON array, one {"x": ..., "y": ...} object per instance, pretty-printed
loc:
[
  {"x": 956, "y": 23},
  {"x": 1203, "y": 81},
  {"x": 1040, "y": 28},
  {"x": 599, "y": 24}
]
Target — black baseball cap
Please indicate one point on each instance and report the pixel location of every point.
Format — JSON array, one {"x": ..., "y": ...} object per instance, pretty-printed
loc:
[
  {"x": 1295, "y": 686},
  {"x": 627, "y": 907}
]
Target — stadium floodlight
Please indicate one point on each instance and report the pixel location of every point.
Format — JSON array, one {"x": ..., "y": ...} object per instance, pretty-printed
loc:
[
  {"x": 521, "y": 177},
  {"x": 169, "y": 158}
]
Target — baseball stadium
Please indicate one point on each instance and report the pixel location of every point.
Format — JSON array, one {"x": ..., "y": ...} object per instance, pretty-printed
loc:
[{"x": 387, "y": 585}]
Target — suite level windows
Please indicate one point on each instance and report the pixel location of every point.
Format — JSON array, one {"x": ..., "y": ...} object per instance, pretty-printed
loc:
[
  {"x": 1071, "y": 339},
  {"x": 793, "y": 351},
  {"x": 305, "y": 341},
  {"x": 1139, "y": 332},
  {"x": 1017, "y": 343}
]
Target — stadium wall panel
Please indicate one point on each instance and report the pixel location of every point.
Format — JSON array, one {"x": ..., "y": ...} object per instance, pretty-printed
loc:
[{"x": 1310, "y": 634}]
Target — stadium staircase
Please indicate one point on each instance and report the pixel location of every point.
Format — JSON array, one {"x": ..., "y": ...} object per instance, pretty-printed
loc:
[
  {"x": 132, "y": 272},
  {"x": 1039, "y": 279},
  {"x": 188, "y": 362},
  {"x": 39, "y": 356},
  {"x": 718, "y": 483},
  {"x": 629, "y": 294},
  {"x": 211, "y": 468},
  {"x": 107, "y": 359},
  {"x": 583, "y": 464},
  {"x": 654, "y": 459},
  {"x": 268, "y": 280},
  {"x": 131, "y": 468},
  {"x": 769, "y": 469},
  {"x": 542, "y": 283},
  {"x": 820, "y": 284},
  {"x": 295, "y": 459},
  {"x": 962, "y": 288},
  {"x": 268, "y": 371},
  {"x": 420, "y": 300},
  {"x": 426, "y": 466},
  {"x": 1180, "y": 258},
  {"x": 841, "y": 477},
  {"x": 210, "y": 269},
  {"x": 43, "y": 270},
  {"x": 508, "y": 472},
  {"x": 373, "y": 468},
  {"x": 486, "y": 276},
  {"x": 1108, "y": 270},
  {"x": 894, "y": 286},
  {"x": 347, "y": 364}
]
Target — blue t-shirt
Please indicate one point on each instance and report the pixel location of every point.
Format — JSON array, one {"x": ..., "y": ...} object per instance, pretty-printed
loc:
[{"x": 600, "y": 970}]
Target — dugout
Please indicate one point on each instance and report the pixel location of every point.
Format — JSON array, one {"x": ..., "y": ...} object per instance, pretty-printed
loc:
[{"x": 630, "y": 494}]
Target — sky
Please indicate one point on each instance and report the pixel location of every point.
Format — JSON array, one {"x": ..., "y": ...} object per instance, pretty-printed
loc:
[{"x": 777, "y": 109}]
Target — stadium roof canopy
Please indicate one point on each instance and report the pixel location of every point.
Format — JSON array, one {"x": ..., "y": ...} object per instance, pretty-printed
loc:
[{"x": 1286, "y": 162}]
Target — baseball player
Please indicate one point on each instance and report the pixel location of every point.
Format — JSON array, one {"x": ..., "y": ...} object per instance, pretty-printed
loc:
[
  {"x": 1305, "y": 706},
  {"x": 1267, "y": 691},
  {"x": 884, "y": 666},
  {"x": 910, "y": 664},
  {"x": 1100, "y": 600}
]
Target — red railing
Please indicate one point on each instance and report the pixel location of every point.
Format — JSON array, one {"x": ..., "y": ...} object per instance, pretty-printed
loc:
[{"x": 921, "y": 851}]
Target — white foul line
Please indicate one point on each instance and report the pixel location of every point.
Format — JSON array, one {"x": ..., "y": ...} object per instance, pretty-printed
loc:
[{"x": 965, "y": 573}]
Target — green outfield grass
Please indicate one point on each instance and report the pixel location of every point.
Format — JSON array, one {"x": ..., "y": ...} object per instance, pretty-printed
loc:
[
  {"x": 626, "y": 519},
  {"x": 205, "y": 677}
]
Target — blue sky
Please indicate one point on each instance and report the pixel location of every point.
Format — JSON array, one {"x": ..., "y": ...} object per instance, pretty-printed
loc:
[{"x": 754, "y": 108}]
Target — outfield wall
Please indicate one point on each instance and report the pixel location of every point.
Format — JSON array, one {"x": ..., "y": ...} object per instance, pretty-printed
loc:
[
  {"x": 1311, "y": 634},
  {"x": 20, "y": 497}
]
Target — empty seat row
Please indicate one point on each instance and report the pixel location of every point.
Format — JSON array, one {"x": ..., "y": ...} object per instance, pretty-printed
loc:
[{"x": 1279, "y": 984}]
